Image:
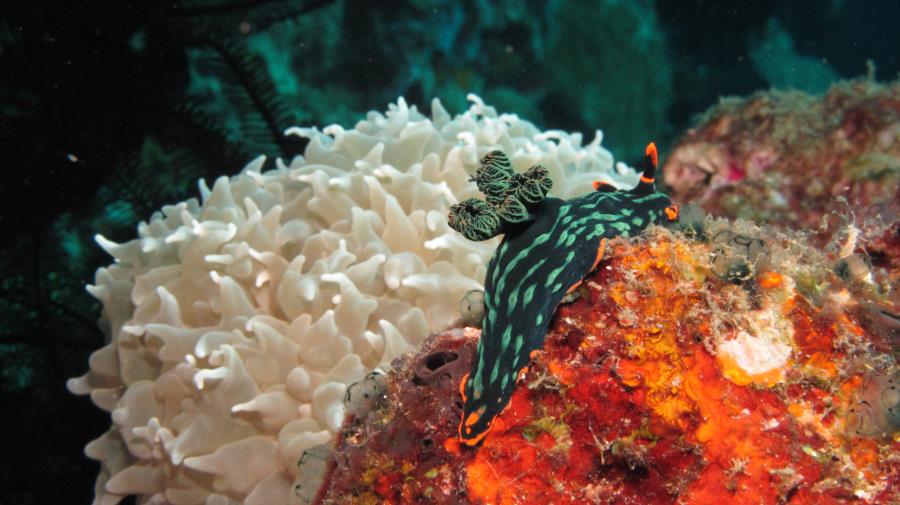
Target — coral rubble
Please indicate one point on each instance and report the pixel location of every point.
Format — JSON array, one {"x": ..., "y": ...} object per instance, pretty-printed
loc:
[{"x": 662, "y": 382}]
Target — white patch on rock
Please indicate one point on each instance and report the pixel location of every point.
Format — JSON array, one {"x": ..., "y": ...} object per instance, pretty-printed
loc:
[{"x": 763, "y": 346}]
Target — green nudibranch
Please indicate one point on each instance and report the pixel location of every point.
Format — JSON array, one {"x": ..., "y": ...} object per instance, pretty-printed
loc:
[{"x": 549, "y": 245}]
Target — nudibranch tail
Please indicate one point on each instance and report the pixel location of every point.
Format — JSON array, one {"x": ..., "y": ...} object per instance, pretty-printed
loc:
[{"x": 549, "y": 245}]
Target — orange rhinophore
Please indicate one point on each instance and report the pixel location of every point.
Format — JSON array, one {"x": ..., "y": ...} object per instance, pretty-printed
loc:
[
  {"x": 651, "y": 161},
  {"x": 672, "y": 212},
  {"x": 651, "y": 153}
]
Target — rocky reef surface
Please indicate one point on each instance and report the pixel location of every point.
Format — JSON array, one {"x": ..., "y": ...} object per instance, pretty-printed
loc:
[
  {"x": 780, "y": 156},
  {"x": 727, "y": 363},
  {"x": 802, "y": 161}
]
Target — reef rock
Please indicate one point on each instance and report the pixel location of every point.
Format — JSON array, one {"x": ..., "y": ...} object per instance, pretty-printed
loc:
[
  {"x": 668, "y": 380},
  {"x": 799, "y": 160},
  {"x": 782, "y": 156},
  {"x": 829, "y": 164}
]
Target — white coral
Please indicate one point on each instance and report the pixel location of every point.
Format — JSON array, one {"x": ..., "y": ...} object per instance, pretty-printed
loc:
[{"x": 236, "y": 322}]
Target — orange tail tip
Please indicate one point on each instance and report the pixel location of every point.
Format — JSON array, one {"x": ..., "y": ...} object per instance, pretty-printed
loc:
[
  {"x": 650, "y": 152},
  {"x": 474, "y": 441}
]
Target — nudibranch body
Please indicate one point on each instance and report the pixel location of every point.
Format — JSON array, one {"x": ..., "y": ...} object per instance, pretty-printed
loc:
[{"x": 549, "y": 246}]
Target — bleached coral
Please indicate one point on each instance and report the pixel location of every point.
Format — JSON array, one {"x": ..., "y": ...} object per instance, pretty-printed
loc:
[{"x": 237, "y": 321}]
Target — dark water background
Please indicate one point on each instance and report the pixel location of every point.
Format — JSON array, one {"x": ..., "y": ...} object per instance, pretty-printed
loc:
[{"x": 110, "y": 109}]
